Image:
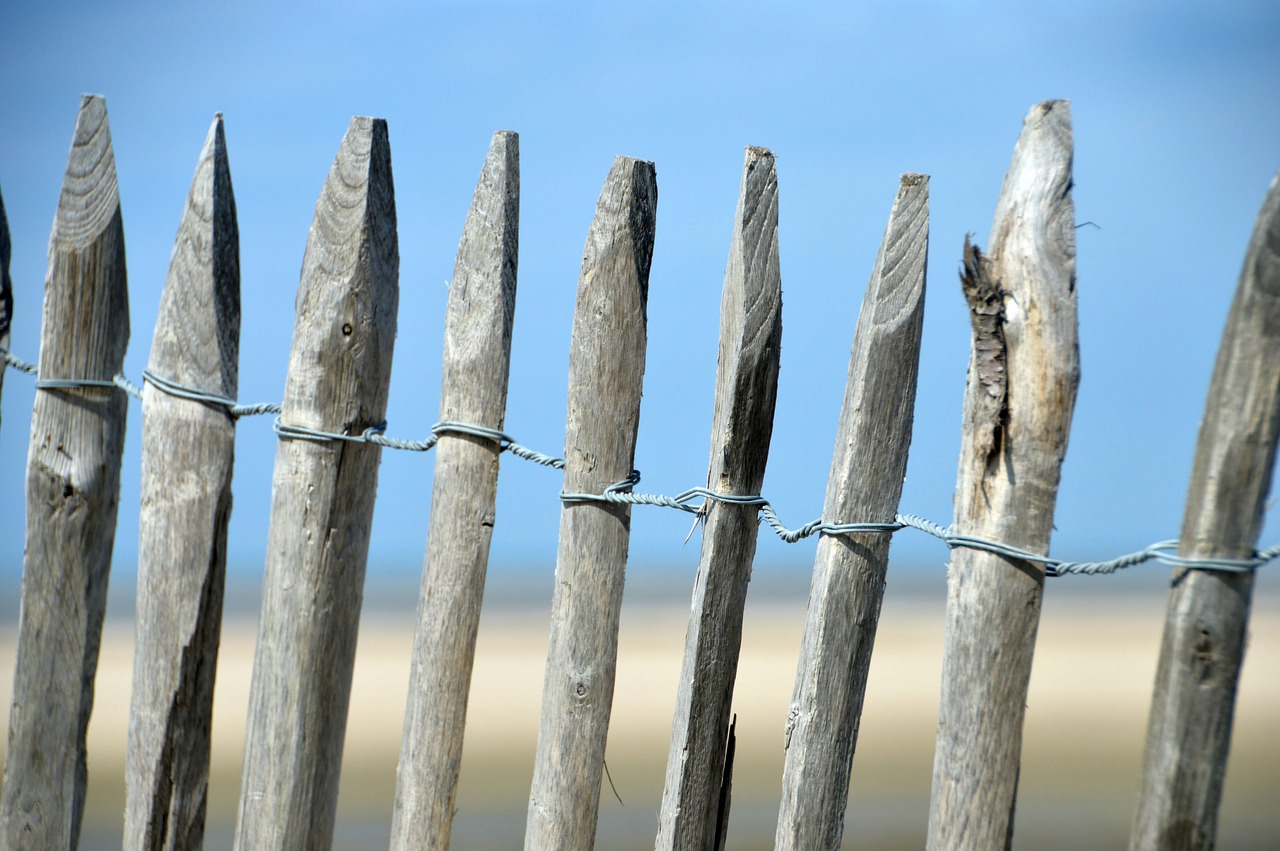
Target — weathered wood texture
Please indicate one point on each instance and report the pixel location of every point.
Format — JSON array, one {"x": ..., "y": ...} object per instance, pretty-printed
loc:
[
  {"x": 6, "y": 287},
  {"x": 73, "y": 490},
  {"x": 322, "y": 503},
  {"x": 606, "y": 368},
  {"x": 187, "y": 453},
  {"x": 1189, "y": 731},
  {"x": 477, "y": 361},
  {"x": 746, "y": 390},
  {"x": 865, "y": 484},
  {"x": 1019, "y": 398}
]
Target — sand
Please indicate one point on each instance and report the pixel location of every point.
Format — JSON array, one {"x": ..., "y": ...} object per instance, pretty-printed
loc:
[{"x": 1094, "y": 667}]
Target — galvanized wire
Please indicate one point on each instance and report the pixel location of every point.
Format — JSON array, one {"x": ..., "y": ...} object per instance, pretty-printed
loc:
[{"x": 621, "y": 492}]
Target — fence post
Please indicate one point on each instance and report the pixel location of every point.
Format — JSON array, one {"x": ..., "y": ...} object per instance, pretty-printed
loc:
[
  {"x": 6, "y": 288},
  {"x": 322, "y": 503},
  {"x": 865, "y": 484},
  {"x": 746, "y": 390},
  {"x": 1023, "y": 374},
  {"x": 73, "y": 491},
  {"x": 606, "y": 369},
  {"x": 477, "y": 362},
  {"x": 187, "y": 452},
  {"x": 1189, "y": 730}
]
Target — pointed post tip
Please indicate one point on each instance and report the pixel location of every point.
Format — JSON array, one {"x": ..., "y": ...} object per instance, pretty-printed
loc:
[
  {"x": 216, "y": 139},
  {"x": 507, "y": 141},
  {"x": 621, "y": 161},
  {"x": 1058, "y": 109}
]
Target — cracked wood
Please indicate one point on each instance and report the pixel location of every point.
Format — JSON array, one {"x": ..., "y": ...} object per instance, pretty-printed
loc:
[
  {"x": 187, "y": 454},
  {"x": 73, "y": 492},
  {"x": 1012, "y": 447}
]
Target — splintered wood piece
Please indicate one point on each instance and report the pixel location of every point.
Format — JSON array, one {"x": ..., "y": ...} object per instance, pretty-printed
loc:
[{"x": 1020, "y": 394}]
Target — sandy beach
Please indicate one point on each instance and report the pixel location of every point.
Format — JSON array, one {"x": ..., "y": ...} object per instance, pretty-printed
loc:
[{"x": 1095, "y": 662}]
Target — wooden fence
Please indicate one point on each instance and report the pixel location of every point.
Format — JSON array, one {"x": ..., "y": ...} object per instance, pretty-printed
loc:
[{"x": 1018, "y": 405}]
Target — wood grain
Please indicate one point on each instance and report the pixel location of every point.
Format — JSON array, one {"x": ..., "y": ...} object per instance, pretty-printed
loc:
[
  {"x": 187, "y": 453},
  {"x": 746, "y": 391},
  {"x": 1206, "y": 625},
  {"x": 606, "y": 370},
  {"x": 73, "y": 491},
  {"x": 867, "y": 469},
  {"x": 322, "y": 503},
  {"x": 1019, "y": 398},
  {"x": 477, "y": 362}
]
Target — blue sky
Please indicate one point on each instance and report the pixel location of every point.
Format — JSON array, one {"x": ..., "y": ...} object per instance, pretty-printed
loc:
[{"x": 1176, "y": 141}]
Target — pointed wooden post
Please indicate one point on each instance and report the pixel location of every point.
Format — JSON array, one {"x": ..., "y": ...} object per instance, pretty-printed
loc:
[
  {"x": 746, "y": 390},
  {"x": 477, "y": 361},
  {"x": 865, "y": 485},
  {"x": 1189, "y": 731},
  {"x": 73, "y": 490},
  {"x": 606, "y": 369},
  {"x": 187, "y": 452},
  {"x": 322, "y": 503},
  {"x": 1023, "y": 374}
]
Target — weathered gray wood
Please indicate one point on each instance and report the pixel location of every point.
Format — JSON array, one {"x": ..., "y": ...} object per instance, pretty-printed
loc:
[
  {"x": 187, "y": 453},
  {"x": 1189, "y": 731},
  {"x": 6, "y": 287},
  {"x": 322, "y": 503},
  {"x": 73, "y": 490},
  {"x": 606, "y": 368},
  {"x": 746, "y": 390},
  {"x": 1019, "y": 398},
  {"x": 477, "y": 361},
  {"x": 865, "y": 484}
]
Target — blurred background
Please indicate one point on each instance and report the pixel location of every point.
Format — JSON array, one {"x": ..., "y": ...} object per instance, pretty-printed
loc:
[
  {"x": 1174, "y": 151},
  {"x": 1081, "y": 758}
]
